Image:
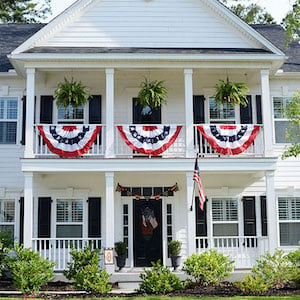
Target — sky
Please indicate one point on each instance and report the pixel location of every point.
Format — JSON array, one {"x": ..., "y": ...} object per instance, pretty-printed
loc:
[{"x": 278, "y": 8}]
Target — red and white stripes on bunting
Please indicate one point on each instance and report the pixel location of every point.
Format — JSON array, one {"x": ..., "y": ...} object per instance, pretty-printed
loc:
[
  {"x": 150, "y": 140},
  {"x": 69, "y": 141},
  {"x": 229, "y": 139}
]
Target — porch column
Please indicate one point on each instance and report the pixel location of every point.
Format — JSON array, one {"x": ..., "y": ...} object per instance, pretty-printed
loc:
[
  {"x": 272, "y": 215},
  {"x": 28, "y": 209},
  {"x": 189, "y": 130},
  {"x": 266, "y": 112},
  {"x": 191, "y": 225},
  {"x": 109, "y": 215},
  {"x": 30, "y": 90},
  {"x": 109, "y": 152}
]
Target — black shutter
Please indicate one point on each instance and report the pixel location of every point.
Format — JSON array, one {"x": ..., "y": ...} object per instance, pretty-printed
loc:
[
  {"x": 264, "y": 222},
  {"x": 94, "y": 217},
  {"x": 249, "y": 216},
  {"x": 46, "y": 113},
  {"x": 198, "y": 109},
  {"x": 258, "y": 109},
  {"x": 23, "y": 120},
  {"x": 246, "y": 112},
  {"x": 44, "y": 217},
  {"x": 95, "y": 109},
  {"x": 21, "y": 227},
  {"x": 201, "y": 219},
  {"x": 154, "y": 117}
]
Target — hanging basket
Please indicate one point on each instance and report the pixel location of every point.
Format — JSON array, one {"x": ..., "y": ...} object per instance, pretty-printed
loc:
[{"x": 231, "y": 92}]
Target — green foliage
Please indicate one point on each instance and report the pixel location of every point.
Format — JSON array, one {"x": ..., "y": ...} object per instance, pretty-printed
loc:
[
  {"x": 152, "y": 93},
  {"x": 252, "y": 285},
  {"x": 6, "y": 243},
  {"x": 292, "y": 22},
  {"x": 294, "y": 258},
  {"x": 24, "y": 11},
  {"x": 159, "y": 280},
  {"x": 72, "y": 93},
  {"x": 29, "y": 270},
  {"x": 209, "y": 267},
  {"x": 120, "y": 248},
  {"x": 231, "y": 92},
  {"x": 174, "y": 247},
  {"x": 276, "y": 269}
]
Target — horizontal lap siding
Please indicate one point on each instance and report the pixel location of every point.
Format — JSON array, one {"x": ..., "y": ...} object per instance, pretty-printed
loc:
[{"x": 161, "y": 23}]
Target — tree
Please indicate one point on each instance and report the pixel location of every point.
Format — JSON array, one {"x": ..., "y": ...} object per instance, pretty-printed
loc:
[
  {"x": 24, "y": 11},
  {"x": 292, "y": 22},
  {"x": 292, "y": 112},
  {"x": 250, "y": 13}
]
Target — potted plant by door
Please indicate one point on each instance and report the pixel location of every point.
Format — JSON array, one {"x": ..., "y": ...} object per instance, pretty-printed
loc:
[
  {"x": 72, "y": 93},
  {"x": 174, "y": 251},
  {"x": 120, "y": 248},
  {"x": 231, "y": 92}
]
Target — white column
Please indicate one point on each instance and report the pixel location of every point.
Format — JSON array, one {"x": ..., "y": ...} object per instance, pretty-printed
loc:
[
  {"x": 109, "y": 215},
  {"x": 272, "y": 215},
  {"x": 189, "y": 130},
  {"x": 30, "y": 91},
  {"x": 28, "y": 209},
  {"x": 258, "y": 215},
  {"x": 266, "y": 112},
  {"x": 191, "y": 222},
  {"x": 109, "y": 152}
]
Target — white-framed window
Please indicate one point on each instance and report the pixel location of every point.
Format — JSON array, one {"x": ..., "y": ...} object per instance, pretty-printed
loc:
[
  {"x": 8, "y": 120},
  {"x": 72, "y": 115},
  {"x": 69, "y": 218},
  {"x": 7, "y": 215},
  {"x": 221, "y": 112},
  {"x": 289, "y": 220},
  {"x": 281, "y": 121},
  {"x": 225, "y": 216}
]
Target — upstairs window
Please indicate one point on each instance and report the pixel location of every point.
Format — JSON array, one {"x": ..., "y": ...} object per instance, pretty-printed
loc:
[
  {"x": 8, "y": 120},
  {"x": 70, "y": 115},
  {"x": 221, "y": 113}
]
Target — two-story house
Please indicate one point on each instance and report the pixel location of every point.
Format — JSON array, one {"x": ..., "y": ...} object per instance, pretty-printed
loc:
[{"x": 113, "y": 192}]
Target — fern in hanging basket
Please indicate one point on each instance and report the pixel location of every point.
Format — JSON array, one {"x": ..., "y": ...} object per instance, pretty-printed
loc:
[
  {"x": 72, "y": 93},
  {"x": 152, "y": 93},
  {"x": 231, "y": 92}
]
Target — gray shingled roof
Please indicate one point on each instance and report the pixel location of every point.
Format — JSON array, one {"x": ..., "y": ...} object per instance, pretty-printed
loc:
[{"x": 13, "y": 35}]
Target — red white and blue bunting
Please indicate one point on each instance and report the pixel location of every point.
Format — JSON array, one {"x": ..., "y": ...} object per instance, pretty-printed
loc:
[
  {"x": 150, "y": 140},
  {"x": 229, "y": 139},
  {"x": 69, "y": 141}
]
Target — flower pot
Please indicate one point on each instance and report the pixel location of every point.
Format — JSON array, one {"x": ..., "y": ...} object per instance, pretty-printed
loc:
[
  {"x": 121, "y": 261},
  {"x": 175, "y": 260}
]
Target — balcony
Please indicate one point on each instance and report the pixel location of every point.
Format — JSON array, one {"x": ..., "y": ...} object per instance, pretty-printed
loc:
[{"x": 177, "y": 150}]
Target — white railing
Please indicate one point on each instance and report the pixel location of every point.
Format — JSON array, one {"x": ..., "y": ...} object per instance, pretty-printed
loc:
[
  {"x": 204, "y": 149},
  {"x": 41, "y": 149},
  {"x": 243, "y": 250},
  {"x": 59, "y": 250},
  {"x": 177, "y": 149}
]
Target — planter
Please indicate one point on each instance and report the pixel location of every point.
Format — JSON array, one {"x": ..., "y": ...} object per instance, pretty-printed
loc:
[
  {"x": 121, "y": 260},
  {"x": 175, "y": 260}
]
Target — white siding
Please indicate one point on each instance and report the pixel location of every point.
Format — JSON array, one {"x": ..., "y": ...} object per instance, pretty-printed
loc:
[{"x": 157, "y": 24}]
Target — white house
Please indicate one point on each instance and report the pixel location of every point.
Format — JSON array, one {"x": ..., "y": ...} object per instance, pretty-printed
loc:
[{"x": 107, "y": 194}]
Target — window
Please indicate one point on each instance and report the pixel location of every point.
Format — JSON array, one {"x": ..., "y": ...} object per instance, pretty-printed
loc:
[
  {"x": 225, "y": 217},
  {"x": 289, "y": 220},
  {"x": 8, "y": 120},
  {"x": 70, "y": 115},
  {"x": 69, "y": 218},
  {"x": 281, "y": 121},
  {"x": 221, "y": 112},
  {"x": 7, "y": 215}
]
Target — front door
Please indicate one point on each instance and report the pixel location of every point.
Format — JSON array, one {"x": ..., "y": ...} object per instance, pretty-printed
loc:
[{"x": 147, "y": 239}]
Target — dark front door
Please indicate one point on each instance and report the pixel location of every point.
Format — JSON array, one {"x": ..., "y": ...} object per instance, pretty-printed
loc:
[{"x": 147, "y": 239}]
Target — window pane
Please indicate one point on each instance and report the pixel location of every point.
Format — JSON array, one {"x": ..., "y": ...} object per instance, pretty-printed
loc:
[
  {"x": 220, "y": 111},
  {"x": 7, "y": 211},
  {"x": 289, "y": 234},
  {"x": 69, "y": 211},
  {"x": 68, "y": 231},
  {"x": 289, "y": 208},
  {"x": 8, "y": 132},
  {"x": 71, "y": 113},
  {"x": 279, "y": 104},
  {"x": 8, "y": 227},
  {"x": 280, "y": 132},
  {"x": 225, "y": 209},
  {"x": 8, "y": 108},
  {"x": 225, "y": 229}
]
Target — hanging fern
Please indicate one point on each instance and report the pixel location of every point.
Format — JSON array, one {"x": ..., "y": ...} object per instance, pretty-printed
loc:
[
  {"x": 72, "y": 93},
  {"x": 232, "y": 92},
  {"x": 152, "y": 93}
]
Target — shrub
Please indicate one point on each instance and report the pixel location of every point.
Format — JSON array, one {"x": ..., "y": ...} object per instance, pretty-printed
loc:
[
  {"x": 85, "y": 271},
  {"x": 252, "y": 285},
  {"x": 120, "y": 248},
  {"x": 29, "y": 270},
  {"x": 6, "y": 244},
  {"x": 209, "y": 267},
  {"x": 294, "y": 258},
  {"x": 174, "y": 247},
  {"x": 159, "y": 279}
]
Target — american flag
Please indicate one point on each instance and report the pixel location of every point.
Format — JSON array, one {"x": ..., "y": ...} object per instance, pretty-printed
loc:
[{"x": 197, "y": 179}]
